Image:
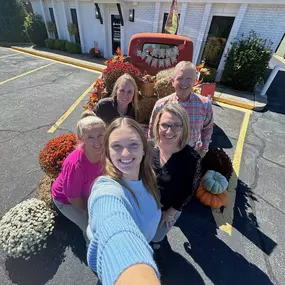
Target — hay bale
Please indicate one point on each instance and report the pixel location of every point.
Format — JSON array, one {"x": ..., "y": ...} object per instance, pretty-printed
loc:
[
  {"x": 146, "y": 105},
  {"x": 163, "y": 86},
  {"x": 43, "y": 191}
]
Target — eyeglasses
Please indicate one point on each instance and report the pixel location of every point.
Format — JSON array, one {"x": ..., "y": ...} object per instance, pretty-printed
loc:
[{"x": 175, "y": 127}]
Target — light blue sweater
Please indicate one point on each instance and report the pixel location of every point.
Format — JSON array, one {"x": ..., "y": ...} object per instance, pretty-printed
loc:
[{"x": 118, "y": 230}]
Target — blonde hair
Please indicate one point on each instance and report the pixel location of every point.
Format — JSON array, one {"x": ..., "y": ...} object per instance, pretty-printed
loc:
[
  {"x": 146, "y": 174},
  {"x": 123, "y": 78},
  {"x": 88, "y": 118},
  {"x": 184, "y": 65},
  {"x": 176, "y": 109}
]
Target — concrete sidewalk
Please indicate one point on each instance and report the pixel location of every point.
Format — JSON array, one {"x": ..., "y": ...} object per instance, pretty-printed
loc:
[{"x": 225, "y": 95}]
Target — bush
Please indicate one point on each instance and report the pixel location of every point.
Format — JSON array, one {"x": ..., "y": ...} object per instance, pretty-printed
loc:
[
  {"x": 50, "y": 43},
  {"x": 246, "y": 62},
  {"x": 60, "y": 44},
  {"x": 115, "y": 70},
  {"x": 35, "y": 29},
  {"x": 73, "y": 47},
  {"x": 12, "y": 16},
  {"x": 53, "y": 154}
]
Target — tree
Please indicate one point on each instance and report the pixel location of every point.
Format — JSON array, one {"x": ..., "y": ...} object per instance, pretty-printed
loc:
[
  {"x": 247, "y": 61},
  {"x": 12, "y": 15}
]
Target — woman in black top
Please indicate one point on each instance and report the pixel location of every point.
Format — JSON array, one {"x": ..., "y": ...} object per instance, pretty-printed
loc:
[
  {"x": 123, "y": 101},
  {"x": 176, "y": 164}
]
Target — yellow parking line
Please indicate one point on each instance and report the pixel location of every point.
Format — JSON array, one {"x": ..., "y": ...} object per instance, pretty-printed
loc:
[
  {"x": 233, "y": 107},
  {"x": 9, "y": 55},
  {"x": 70, "y": 110},
  {"x": 26, "y": 73},
  {"x": 57, "y": 61},
  {"x": 236, "y": 168}
]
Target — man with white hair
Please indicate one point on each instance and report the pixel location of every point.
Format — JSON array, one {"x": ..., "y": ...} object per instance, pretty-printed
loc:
[{"x": 198, "y": 108}]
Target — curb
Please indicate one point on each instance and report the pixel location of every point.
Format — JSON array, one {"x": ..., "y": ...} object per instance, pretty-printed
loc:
[
  {"x": 58, "y": 58},
  {"x": 234, "y": 103}
]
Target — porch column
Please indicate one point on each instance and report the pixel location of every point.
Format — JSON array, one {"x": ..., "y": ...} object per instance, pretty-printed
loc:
[
  {"x": 55, "y": 18},
  {"x": 44, "y": 17},
  {"x": 65, "y": 20},
  {"x": 156, "y": 17},
  {"x": 80, "y": 27},
  {"x": 233, "y": 34},
  {"x": 182, "y": 18},
  {"x": 201, "y": 33}
]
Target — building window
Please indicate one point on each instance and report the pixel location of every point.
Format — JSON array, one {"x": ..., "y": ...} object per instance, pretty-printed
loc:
[
  {"x": 75, "y": 22},
  {"x": 164, "y": 22},
  {"x": 53, "y": 20}
]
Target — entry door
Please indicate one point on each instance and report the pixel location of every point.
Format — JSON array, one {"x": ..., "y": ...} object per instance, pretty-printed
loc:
[
  {"x": 217, "y": 38},
  {"x": 116, "y": 32}
]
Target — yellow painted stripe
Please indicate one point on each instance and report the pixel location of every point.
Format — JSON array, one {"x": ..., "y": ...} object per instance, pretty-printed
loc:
[
  {"x": 232, "y": 107},
  {"x": 70, "y": 110},
  {"x": 234, "y": 103},
  {"x": 236, "y": 168},
  {"x": 4, "y": 56},
  {"x": 60, "y": 60},
  {"x": 26, "y": 73}
]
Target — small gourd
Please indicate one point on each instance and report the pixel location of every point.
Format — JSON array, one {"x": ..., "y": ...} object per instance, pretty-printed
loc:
[{"x": 214, "y": 182}]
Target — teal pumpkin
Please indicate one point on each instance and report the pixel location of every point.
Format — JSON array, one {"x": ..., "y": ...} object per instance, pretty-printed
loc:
[{"x": 214, "y": 182}]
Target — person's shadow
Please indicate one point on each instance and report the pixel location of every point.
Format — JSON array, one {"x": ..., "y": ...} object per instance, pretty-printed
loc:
[
  {"x": 174, "y": 268},
  {"x": 42, "y": 266},
  {"x": 219, "y": 262}
]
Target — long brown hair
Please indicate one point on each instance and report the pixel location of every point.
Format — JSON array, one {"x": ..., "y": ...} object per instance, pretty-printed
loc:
[
  {"x": 146, "y": 172},
  {"x": 123, "y": 78}
]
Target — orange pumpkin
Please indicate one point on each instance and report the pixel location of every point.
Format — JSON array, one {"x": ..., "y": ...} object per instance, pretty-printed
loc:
[{"x": 213, "y": 200}]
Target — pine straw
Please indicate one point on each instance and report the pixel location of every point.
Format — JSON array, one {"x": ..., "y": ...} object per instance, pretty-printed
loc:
[{"x": 43, "y": 191}]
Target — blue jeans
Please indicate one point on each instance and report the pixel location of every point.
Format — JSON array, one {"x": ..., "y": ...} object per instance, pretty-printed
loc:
[{"x": 163, "y": 230}]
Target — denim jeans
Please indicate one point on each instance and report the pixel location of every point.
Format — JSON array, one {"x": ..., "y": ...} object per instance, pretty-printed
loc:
[{"x": 163, "y": 230}]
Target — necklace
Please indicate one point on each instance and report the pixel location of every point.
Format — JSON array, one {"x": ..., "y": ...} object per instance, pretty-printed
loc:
[{"x": 121, "y": 113}]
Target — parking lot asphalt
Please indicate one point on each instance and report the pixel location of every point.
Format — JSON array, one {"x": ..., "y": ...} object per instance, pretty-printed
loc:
[{"x": 198, "y": 251}]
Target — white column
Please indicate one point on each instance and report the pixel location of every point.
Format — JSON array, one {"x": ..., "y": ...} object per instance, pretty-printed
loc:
[
  {"x": 201, "y": 33},
  {"x": 232, "y": 36},
  {"x": 44, "y": 17},
  {"x": 182, "y": 18},
  {"x": 80, "y": 27},
  {"x": 65, "y": 20},
  {"x": 123, "y": 39},
  {"x": 105, "y": 27},
  {"x": 55, "y": 18},
  {"x": 156, "y": 17}
]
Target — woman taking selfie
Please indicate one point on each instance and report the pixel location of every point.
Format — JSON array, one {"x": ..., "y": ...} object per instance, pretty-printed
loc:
[
  {"x": 72, "y": 187},
  {"x": 176, "y": 164},
  {"x": 124, "y": 209},
  {"x": 122, "y": 103}
]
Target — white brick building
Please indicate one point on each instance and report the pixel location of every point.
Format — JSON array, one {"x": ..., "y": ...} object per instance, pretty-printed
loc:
[{"x": 197, "y": 18}]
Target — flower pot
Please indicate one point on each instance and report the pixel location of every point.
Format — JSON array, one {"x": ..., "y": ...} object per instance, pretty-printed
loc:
[{"x": 147, "y": 89}]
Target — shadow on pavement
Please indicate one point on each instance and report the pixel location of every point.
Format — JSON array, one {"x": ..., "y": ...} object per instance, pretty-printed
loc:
[
  {"x": 220, "y": 263},
  {"x": 220, "y": 139},
  {"x": 174, "y": 268},
  {"x": 245, "y": 220},
  {"x": 43, "y": 266},
  {"x": 275, "y": 94}
]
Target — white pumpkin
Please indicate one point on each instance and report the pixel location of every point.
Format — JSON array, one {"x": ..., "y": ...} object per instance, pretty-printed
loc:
[{"x": 214, "y": 182}]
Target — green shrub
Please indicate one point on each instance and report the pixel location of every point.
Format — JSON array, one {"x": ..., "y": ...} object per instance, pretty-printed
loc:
[
  {"x": 73, "y": 47},
  {"x": 50, "y": 43},
  {"x": 60, "y": 44},
  {"x": 35, "y": 29},
  {"x": 246, "y": 62},
  {"x": 12, "y": 16}
]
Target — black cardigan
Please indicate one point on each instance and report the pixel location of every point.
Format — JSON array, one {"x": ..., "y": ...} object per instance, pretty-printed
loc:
[
  {"x": 106, "y": 109},
  {"x": 179, "y": 177}
]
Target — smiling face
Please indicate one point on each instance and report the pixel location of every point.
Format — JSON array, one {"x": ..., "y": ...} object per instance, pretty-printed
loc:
[
  {"x": 125, "y": 94},
  {"x": 183, "y": 82},
  {"x": 126, "y": 151},
  {"x": 169, "y": 135},
  {"x": 92, "y": 138}
]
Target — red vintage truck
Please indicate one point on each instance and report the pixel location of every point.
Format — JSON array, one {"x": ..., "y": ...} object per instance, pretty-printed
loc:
[{"x": 152, "y": 52}]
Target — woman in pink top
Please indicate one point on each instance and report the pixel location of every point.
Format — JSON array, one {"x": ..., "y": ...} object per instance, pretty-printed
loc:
[{"x": 72, "y": 187}]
